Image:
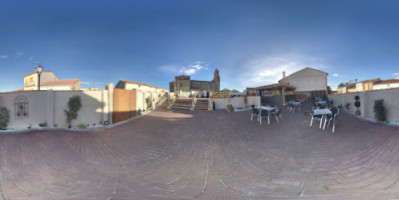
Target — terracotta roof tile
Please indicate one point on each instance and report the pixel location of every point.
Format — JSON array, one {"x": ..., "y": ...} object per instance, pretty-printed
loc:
[
  {"x": 388, "y": 81},
  {"x": 370, "y": 80},
  {"x": 272, "y": 86},
  {"x": 61, "y": 82}
]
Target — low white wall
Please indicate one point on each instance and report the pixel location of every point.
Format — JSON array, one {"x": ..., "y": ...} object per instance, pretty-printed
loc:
[
  {"x": 367, "y": 99},
  {"x": 48, "y": 106},
  {"x": 142, "y": 95},
  {"x": 236, "y": 102}
]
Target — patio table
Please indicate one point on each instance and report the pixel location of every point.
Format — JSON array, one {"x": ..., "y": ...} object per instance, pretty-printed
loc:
[
  {"x": 323, "y": 113},
  {"x": 268, "y": 108},
  {"x": 296, "y": 103}
]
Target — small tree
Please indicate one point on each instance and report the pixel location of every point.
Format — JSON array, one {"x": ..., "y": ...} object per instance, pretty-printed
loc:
[
  {"x": 246, "y": 100},
  {"x": 4, "y": 117},
  {"x": 74, "y": 105},
  {"x": 357, "y": 104},
  {"x": 148, "y": 102},
  {"x": 380, "y": 112}
]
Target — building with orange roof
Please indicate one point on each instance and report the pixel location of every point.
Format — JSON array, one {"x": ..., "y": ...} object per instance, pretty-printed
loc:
[
  {"x": 386, "y": 84},
  {"x": 366, "y": 85},
  {"x": 49, "y": 81},
  {"x": 65, "y": 84}
]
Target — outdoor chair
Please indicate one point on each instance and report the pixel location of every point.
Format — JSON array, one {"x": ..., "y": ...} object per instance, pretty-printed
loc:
[
  {"x": 297, "y": 108},
  {"x": 255, "y": 111},
  {"x": 264, "y": 113},
  {"x": 315, "y": 106},
  {"x": 333, "y": 117},
  {"x": 277, "y": 113},
  {"x": 289, "y": 106}
]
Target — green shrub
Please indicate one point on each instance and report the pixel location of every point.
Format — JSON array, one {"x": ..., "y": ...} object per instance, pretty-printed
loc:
[
  {"x": 380, "y": 112},
  {"x": 139, "y": 112},
  {"x": 4, "y": 117},
  {"x": 82, "y": 126},
  {"x": 74, "y": 105},
  {"x": 148, "y": 102},
  {"x": 44, "y": 124}
]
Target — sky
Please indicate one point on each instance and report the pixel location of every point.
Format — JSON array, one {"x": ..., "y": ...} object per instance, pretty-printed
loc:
[{"x": 151, "y": 41}]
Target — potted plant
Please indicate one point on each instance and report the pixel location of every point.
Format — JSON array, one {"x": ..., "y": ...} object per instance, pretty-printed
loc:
[
  {"x": 357, "y": 104},
  {"x": 380, "y": 112},
  {"x": 4, "y": 117}
]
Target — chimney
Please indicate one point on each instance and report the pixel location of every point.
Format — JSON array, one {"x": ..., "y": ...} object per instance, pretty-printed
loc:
[{"x": 283, "y": 74}]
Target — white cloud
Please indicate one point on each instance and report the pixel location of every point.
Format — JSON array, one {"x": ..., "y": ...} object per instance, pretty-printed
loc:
[
  {"x": 396, "y": 74},
  {"x": 192, "y": 69},
  {"x": 187, "y": 70},
  {"x": 84, "y": 83},
  {"x": 335, "y": 75},
  {"x": 32, "y": 58},
  {"x": 20, "y": 53},
  {"x": 3, "y": 56},
  {"x": 169, "y": 68},
  {"x": 268, "y": 70}
]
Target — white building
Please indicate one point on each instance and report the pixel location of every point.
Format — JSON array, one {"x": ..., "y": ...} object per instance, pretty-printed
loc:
[
  {"x": 386, "y": 84},
  {"x": 308, "y": 81},
  {"x": 49, "y": 81},
  {"x": 143, "y": 91}
]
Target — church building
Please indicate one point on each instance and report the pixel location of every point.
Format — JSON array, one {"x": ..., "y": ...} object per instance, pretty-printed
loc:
[{"x": 183, "y": 86}]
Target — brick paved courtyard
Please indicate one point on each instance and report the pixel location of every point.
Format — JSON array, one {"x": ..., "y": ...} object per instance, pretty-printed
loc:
[{"x": 204, "y": 155}]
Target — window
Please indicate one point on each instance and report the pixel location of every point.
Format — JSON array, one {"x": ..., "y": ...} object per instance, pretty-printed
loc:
[
  {"x": 21, "y": 107},
  {"x": 31, "y": 79}
]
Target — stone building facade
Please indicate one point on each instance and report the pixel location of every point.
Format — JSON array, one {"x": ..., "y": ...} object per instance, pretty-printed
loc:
[{"x": 183, "y": 86}]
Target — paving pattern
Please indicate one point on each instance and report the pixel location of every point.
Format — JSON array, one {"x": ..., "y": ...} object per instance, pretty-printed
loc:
[{"x": 207, "y": 155}]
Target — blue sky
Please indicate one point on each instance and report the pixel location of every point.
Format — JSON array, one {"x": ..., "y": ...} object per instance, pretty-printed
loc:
[{"x": 250, "y": 41}]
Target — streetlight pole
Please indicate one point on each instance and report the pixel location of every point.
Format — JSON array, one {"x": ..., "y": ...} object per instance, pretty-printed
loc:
[
  {"x": 39, "y": 70},
  {"x": 283, "y": 93}
]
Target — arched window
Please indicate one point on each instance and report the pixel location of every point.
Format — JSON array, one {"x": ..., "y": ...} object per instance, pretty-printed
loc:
[{"x": 21, "y": 107}]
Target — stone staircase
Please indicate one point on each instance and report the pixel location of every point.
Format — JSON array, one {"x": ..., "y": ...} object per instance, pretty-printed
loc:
[
  {"x": 202, "y": 104},
  {"x": 166, "y": 103},
  {"x": 184, "y": 104}
]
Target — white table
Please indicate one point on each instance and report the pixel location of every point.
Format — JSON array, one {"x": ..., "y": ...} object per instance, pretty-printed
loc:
[
  {"x": 268, "y": 108},
  {"x": 323, "y": 113},
  {"x": 296, "y": 103}
]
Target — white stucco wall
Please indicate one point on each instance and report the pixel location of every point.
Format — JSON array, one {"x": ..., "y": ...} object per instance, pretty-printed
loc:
[
  {"x": 237, "y": 102},
  {"x": 59, "y": 87},
  {"x": 385, "y": 86},
  {"x": 367, "y": 100},
  {"x": 49, "y": 106},
  {"x": 144, "y": 91},
  {"x": 37, "y": 109}
]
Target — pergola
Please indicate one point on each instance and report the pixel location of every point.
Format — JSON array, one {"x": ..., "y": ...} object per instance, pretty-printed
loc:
[{"x": 274, "y": 89}]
